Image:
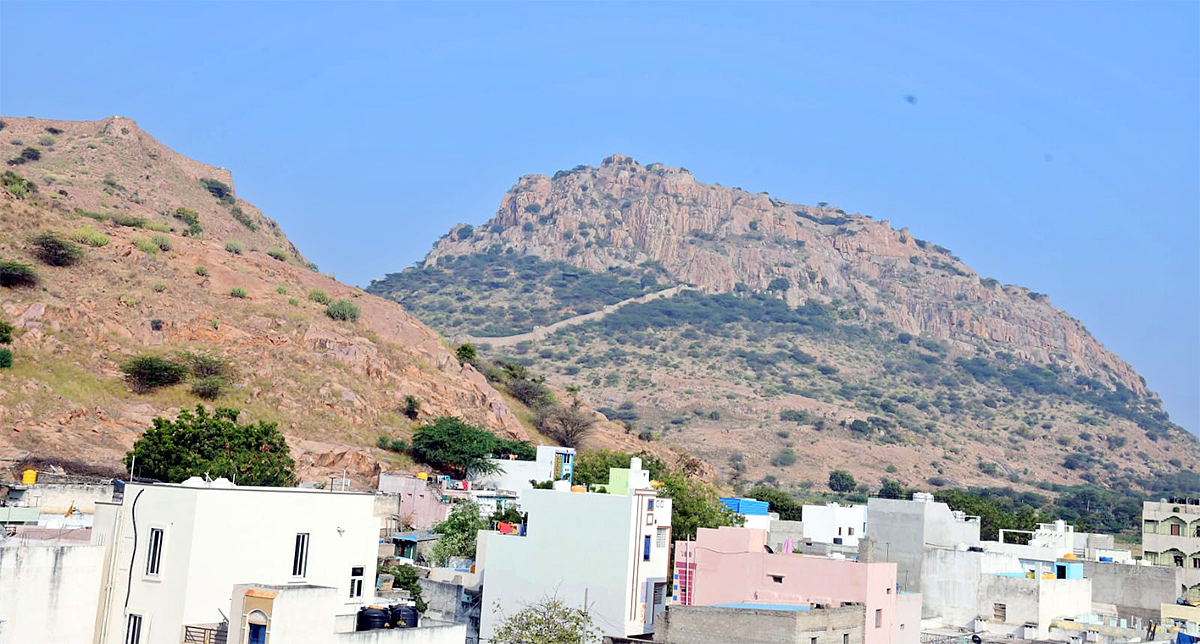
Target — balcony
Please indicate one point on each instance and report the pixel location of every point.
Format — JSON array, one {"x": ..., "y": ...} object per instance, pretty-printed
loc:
[{"x": 205, "y": 634}]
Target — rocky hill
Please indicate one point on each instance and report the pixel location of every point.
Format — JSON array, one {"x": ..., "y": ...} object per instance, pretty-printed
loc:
[
  {"x": 175, "y": 261},
  {"x": 779, "y": 341}
]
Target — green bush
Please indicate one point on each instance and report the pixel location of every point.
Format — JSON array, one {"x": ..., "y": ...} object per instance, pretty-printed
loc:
[
  {"x": 51, "y": 129},
  {"x": 343, "y": 310},
  {"x": 27, "y": 155},
  {"x": 156, "y": 227},
  {"x": 242, "y": 218},
  {"x": 160, "y": 287},
  {"x": 17, "y": 274},
  {"x": 6, "y": 359},
  {"x": 191, "y": 218},
  {"x": 89, "y": 236},
  {"x": 55, "y": 250},
  {"x": 392, "y": 444},
  {"x": 293, "y": 301},
  {"x": 412, "y": 406},
  {"x": 17, "y": 185},
  {"x": 129, "y": 221},
  {"x": 218, "y": 189},
  {"x": 202, "y": 271},
  {"x": 319, "y": 296},
  {"x": 145, "y": 245},
  {"x": 45, "y": 140},
  {"x": 162, "y": 241},
  {"x": 238, "y": 292},
  {"x": 233, "y": 247},
  {"x": 145, "y": 373},
  {"x": 277, "y": 254},
  {"x": 281, "y": 289},
  {"x": 841, "y": 481},
  {"x": 209, "y": 388},
  {"x": 6, "y": 332}
]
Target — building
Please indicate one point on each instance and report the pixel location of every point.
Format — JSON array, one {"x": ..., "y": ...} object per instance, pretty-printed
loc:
[
  {"x": 761, "y": 624},
  {"x": 608, "y": 552},
  {"x": 1181, "y": 617},
  {"x": 552, "y": 463},
  {"x": 1026, "y": 604},
  {"x": 175, "y": 553},
  {"x": 1171, "y": 537},
  {"x": 755, "y": 513},
  {"x": 903, "y": 529},
  {"x": 1051, "y": 541},
  {"x": 835, "y": 523},
  {"x": 48, "y": 586},
  {"x": 417, "y": 502},
  {"x": 731, "y": 566}
]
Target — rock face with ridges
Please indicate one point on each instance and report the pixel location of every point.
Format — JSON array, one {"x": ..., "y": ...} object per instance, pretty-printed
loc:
[{"x": 894, "y": 355}]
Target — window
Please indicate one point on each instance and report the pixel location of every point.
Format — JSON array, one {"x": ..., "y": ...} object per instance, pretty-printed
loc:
[
  {"x": 812, "y": 640},
  {"x": 154, "y": 552},
  {"x": 356, "y": 582},
  {"x": 776, "y": 578},
  {"x": 300, "y": 556},
  {"x": 839, "y": 531},
  {"x": 845, "y": 638},
  {"x": 1196, "y": 562},
  {"x": 850, "y": 532},
  {"x": 1000, "y": 612},
  {"x": 650, "y": 504},
  {"x": 1197, "y": 531},
  {"x": 646, "y": 549},
  {"x": 1175, "y": 531},
  {"x": 663, "y": 535},
  {"x": 1179, "y": 560},
  {"x": 878, "y": 618},
  {"x": 133, "y": 629}
]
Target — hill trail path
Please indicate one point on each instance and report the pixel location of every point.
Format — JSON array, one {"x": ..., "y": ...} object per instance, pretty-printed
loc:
[{"x": 541, "y": 332}]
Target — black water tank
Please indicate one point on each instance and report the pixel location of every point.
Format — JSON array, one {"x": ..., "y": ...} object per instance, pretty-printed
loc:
[
  {"x": 404, "y": 616},
  {"x": 370, "y": 619}
]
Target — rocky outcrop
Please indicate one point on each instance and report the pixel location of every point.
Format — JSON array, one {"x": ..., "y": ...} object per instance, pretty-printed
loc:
[{"x": 718, "y": 239}]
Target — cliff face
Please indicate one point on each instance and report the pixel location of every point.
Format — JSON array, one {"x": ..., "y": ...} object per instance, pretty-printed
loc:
[
  {"x": 784, "y": 340},
  {"x": 718, "y": 238},
  {"x": 159, "y": 286}
]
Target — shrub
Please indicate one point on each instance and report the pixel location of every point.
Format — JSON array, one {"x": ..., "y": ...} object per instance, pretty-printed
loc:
[
  {"x": 6, "y": 332},
  {"x": 242, "y": 218},
  {"x": 233, "y": 247},
  {"x": 841, "y": 481},
  {"x": 145, "y": 373},
  {"x": 27, "y": 155},
  {"x": 343, "y": 310},
  {"x": 159, "y": 288},
  {"x": 238, "y": 292},
  {"x": 412, "y": 406},
  {"x": 17, "y": 185},
  {"x": 466, "y": 353},
  {"x": 569, "y": 425},
  {"x": 281, "y": 289},
  {"x": 392, "y": 444},
  {"x": 209, "y": 388},
  {"x": 129, "y": 221},
  {"x": 202, "y": 271},
  {"x": 277, "y": 254},
  {"x": 162, "y": 241},
  {"x": 293, "y": 301},
  {"x": 318, "y": 296},
  {"x": 54, "y": 250},
  {"x": 218, "y": 189},
  {"x": 6, "y": 359},
  {"x": 157, "y": 227},
  {"x": 17, "y": 274},
  {"x": 145, "y": 245},
  {"x": 191, "y": 218},
  {"x": 784, "y": 458},
  {"x": 51, "y": 129},
  {"x": 205, "y": 365},
  {"x": 89, "y": 236},
  {"x": 46, "y": 140}
]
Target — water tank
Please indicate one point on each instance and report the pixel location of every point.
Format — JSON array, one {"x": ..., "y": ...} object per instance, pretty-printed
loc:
[
  {"x": 371, "y": 618},
  {"x": 404, "y": 616},
  {"x": 29, "y": 477}
]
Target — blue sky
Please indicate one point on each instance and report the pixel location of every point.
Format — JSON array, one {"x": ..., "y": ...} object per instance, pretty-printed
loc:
[{"x": 1052, "y": 145}]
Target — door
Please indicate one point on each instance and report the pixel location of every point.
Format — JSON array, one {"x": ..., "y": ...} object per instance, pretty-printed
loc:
[{"x": 258, "y": 634}]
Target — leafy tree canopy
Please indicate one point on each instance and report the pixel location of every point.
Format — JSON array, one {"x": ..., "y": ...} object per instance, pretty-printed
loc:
[
  {"x": 789, "y": 509},
  {"x": 549, "y": 621},
  {"x": 199, "y": 443},
  {"x": 695, "y": 504},
  {"x": 841, "y": 481},
  {"x": 450, "y": 444},
  {"x": 459, "y": 532}
]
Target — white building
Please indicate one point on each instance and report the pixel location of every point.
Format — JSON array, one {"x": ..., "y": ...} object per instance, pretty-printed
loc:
[
  {"x": 48, "y": 589},
  {"x": 176, "y": 552},
  {"x": 606, "y": 551},
  {"x": 835, "y": 523},
  {"x": 552, "y": 464}
]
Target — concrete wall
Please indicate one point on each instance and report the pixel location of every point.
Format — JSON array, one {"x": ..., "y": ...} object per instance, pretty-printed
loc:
[
  {"x": 215, "y": 538},
  {"x": 780, "y": 531},
  {"x": 577, "y": 545},
  {"x": 1136, "y": 591},
  {"x": 824, "y": 523},
  {"x": 57, "y": 498},
  {"x": 420, "y": 501},
  {"x": 1032, "y": 601},
  {"x": 902, "y": 529},
  {"x": 714, "y": 625},
  {"x": 48, "y": 594},
  {"x": 908, "y": 619}
]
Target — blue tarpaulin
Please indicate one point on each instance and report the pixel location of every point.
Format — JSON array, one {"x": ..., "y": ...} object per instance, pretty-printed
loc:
[{"x": 749, "y": 507}]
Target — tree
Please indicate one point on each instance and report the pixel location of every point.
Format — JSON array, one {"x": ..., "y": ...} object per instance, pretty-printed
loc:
[
  {"x": 892, "y": 490},
  {"x": 451, "y": 444},
  {"x": 199, "y": 444},
  {"x": 459, "y": 532},
  {"x": 405, "y": 578},
  {"x": 549, "y": 621},
  {"x": 841, "y": 481},
  {"x": 412, "y": 407},
  {"x": 592, "y": 467},
  {"x": 55, "y": 250},
  {"x": 569, "y": 425},
  {"x": 466, "y": 353},
  {"x": 148, "y": 372},
  {"x": 779, "y": 501},
  {"x": 694, "y": 505}
]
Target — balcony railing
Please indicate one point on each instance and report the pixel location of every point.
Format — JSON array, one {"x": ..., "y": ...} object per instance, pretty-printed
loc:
[{"x": 205, "y": 634}]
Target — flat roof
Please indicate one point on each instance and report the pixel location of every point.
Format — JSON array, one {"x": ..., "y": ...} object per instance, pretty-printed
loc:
[{"x": 788, "y": 607}]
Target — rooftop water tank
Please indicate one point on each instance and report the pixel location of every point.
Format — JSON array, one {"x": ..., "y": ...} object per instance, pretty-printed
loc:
[
  {"x": 404, "y": 616},
  {"x": 371, "y": 618}
]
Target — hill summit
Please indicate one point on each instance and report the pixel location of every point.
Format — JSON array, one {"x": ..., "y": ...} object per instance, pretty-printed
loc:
[{"x": 779, "y": 341}]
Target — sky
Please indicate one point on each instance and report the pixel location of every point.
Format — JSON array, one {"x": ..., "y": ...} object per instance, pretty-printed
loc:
[{"x": 1051, "y": 145}]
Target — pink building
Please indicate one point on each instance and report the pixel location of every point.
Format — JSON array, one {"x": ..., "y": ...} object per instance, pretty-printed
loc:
[{"x": 730, "y": 566}]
